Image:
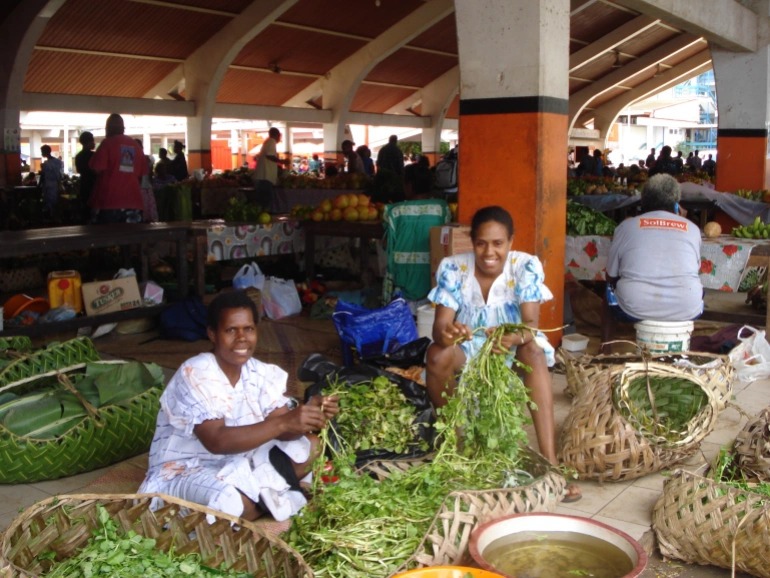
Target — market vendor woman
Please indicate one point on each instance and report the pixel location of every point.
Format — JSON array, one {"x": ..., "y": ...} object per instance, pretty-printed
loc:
[
  {"x": 489, "y": 287},
  {"x": 226, "y": 436}
]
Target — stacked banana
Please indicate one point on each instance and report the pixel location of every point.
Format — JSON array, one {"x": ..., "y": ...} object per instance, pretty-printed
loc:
[{"x": 757, "y": 230}]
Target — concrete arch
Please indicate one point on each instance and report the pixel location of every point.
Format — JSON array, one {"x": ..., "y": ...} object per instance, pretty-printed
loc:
[{"x": 19, "y": 33}]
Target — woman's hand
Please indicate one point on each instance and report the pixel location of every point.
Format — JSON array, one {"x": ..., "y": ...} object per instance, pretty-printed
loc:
[
  {"x": 507, "y": 341},
  {"x": 456, "y": 332},
  {"x": 329, "y": 404}
]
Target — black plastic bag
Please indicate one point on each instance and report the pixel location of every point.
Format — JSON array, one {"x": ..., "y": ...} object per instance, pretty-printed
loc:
[
  {"x": 415, "y": 394},
  {"x": 408, "y": 355}
]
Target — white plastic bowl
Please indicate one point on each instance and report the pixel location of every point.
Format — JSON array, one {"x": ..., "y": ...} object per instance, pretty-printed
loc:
[{"x": 574, "y": 342}]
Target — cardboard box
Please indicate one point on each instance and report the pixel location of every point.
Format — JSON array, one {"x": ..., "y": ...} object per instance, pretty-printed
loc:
[
  {"x": 113, "y": 295},
  {"x": 445, "y": 241}
]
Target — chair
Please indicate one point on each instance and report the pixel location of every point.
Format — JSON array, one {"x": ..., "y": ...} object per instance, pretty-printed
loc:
[{"x": 407, "y": 246}]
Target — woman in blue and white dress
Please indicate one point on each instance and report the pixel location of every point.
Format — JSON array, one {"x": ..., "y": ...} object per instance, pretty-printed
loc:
[{"x": 489, "y": 287}]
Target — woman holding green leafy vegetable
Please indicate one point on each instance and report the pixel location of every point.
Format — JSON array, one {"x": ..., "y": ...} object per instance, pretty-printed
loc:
[
  {"x": 226, "y": 436},
  {"x": 479, "y": 291}
]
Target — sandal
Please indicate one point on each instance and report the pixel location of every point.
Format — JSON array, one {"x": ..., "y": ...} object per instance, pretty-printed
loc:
[{"x": 573, "y": 494}]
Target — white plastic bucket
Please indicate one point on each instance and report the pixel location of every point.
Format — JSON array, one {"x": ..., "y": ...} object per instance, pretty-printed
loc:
[
  {"x": 425, "y": 316},
  {"x": 664, "y": 336}
]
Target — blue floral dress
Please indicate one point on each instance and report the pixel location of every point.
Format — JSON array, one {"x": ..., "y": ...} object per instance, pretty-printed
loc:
[{"x": 522, "y": 281}]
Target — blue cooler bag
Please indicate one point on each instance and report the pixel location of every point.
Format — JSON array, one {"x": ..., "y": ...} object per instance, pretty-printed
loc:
[{"x": 373, "y": 332}]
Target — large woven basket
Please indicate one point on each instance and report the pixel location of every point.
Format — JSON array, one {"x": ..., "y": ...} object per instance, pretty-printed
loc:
[
  {"x": 446, "y": 542},
  {"x": 751, "y": 448},
  {"x": 63, "y": 525},
  {"x": 113, "y": 433},
  {"x": 700, "y": 521},
  {"x": 601, "y": 444},
  {"x": 715, "y": 370}
]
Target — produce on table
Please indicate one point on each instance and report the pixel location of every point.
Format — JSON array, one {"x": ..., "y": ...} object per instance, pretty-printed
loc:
[
  {"x": 757, "y": 230},
  {"x": 761, "y": 196},
  {"x": 712, "y": 229},
  {"x": 114, "y": 552},
  {"x": 344, "y": 181},
  {"x": 245, "y": 212},
  {"x": 343, "y": 207},
  {"x": 583, "y": 220},
  {"x": 360, "y": 527}
]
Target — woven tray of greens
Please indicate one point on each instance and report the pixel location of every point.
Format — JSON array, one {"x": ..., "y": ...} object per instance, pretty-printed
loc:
[{"x": 63, "y": 411}]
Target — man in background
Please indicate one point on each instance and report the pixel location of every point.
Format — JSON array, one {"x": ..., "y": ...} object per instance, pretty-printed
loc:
[
  {"x": 51, "y": 175},
  {"x": 119, "y": 164},
  {"x": 390, "y": 158},
  {"x": 266, "y": 171},
  {"x": 87, "y": 176}
]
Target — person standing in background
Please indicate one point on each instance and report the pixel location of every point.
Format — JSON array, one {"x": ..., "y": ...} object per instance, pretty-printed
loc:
[
  {"x": 87, "y": 176},
  {"x": 119, "y": 164},
  {"x": 179, "y": 162},
  {"x": 266, "y": 171},
  {"x": 150, "y": 208},
  {"x": 51, "y": 175},
  {"x": 390, "y": 158},
  {"x": 355, "y": 162},
  {"x": 366, "y": 157}
]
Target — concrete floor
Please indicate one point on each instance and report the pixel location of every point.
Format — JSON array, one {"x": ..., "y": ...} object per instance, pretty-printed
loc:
[{"x": 624, "y": 505}]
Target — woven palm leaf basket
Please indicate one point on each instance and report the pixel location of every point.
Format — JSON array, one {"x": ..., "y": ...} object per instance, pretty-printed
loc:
[
  {"x": 98, "y": 434},
  {"x": 751, "y": 448},
  {"x": 633, "y": 419},
  {"x": 714, "y": 369},
  {"x": 700, "y": 521},
  {"x": 446, "y": 541},
  {"x": 63, "y": 525}
]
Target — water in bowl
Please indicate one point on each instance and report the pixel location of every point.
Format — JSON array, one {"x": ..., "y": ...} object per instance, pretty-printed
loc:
[{"x": 556, "y": 555}]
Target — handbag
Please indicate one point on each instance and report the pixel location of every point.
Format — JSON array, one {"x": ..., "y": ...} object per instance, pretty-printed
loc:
[{"x": 280, "y": 298}]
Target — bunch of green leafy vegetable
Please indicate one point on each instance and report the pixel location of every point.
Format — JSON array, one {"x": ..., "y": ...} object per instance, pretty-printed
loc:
[
  {"x": 360, "y": 527},
  {"x": 376, "y": 415},
  {"x": 726, "y": 471},
  {"x": 112, "y": 552},
  {"x": 583, "y": 220},
  {"x": 241, "y": 211}
]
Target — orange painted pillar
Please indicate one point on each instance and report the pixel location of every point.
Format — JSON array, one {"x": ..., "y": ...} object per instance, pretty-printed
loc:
[
  {"x": 11, "y": 166},
  {"x": 525, "y": 180},
  {"x": 200, "y": 159}
]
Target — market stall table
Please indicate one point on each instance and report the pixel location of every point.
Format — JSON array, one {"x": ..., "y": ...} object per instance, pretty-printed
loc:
[
  {"x": 363, "y": 230},
  {"x": 216, "y": 240},
  {"x": 83, "y": 237},
  {"x": 723, "y": 259}
]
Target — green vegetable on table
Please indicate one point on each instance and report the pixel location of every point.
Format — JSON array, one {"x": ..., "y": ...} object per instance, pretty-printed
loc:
[{"x": 582, "y": 220}]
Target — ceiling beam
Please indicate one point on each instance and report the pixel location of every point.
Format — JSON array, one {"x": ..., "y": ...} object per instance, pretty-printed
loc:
[
  {"x": 604, "y": 115},
  {"x": 106, "y": 104},
  {"x": 610, "y": 41},
  {"x": 724, "y": 22},
  {"x": 582, "y": 98}
]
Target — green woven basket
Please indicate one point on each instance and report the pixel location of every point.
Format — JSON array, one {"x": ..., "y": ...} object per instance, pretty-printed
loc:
[{"x": 117, "y": 432}]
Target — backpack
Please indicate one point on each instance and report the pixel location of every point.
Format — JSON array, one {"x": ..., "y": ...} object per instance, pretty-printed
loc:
[
  {"x": 446, "y": 171},
  {"x": 185, "y": 320}
]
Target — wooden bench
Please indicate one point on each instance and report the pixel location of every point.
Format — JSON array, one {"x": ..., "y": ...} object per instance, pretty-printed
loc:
[{"x": 82, "y": 237}]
